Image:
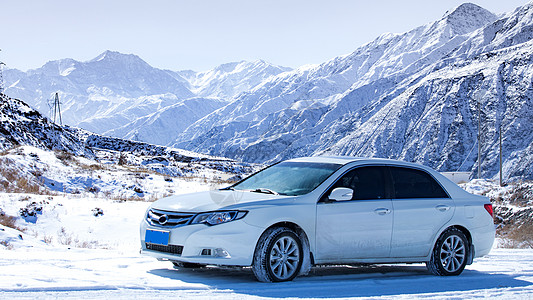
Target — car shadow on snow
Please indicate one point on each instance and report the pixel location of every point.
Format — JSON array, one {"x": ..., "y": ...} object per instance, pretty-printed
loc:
[{"x": 344, "y": 281}]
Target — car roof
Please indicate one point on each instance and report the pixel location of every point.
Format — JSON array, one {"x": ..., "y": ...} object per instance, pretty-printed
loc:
[
  {"x": 452, "y": 188},
  {"x": 343, "y": 160}
]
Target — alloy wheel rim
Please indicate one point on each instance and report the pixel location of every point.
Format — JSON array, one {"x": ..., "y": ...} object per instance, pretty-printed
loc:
[
  {"x": 284, "y": 257},
  {"x": 452, "y": 253}
]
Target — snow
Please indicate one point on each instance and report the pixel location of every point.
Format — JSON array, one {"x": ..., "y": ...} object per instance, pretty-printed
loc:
[
  {"x": 68, "y": 252},
  {"x": 66, "y": 249},
  {"x": 46, "y": 272},
  {"x": 77, "y": 174}
]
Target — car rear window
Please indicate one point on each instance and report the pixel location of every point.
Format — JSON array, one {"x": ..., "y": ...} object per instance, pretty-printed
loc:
[{"x": 413, "y": 183}]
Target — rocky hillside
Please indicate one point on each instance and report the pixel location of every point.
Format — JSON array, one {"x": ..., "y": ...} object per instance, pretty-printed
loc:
[
  {"x": 513, "y": 210},
  {"x": 412, "y": 96},
  {"x": 20, "y": 125}
]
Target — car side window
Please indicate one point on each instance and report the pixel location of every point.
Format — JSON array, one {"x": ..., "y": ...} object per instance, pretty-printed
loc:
[
  {"x": 366, "y": 182},
  {"x": 413, "y": 183}
]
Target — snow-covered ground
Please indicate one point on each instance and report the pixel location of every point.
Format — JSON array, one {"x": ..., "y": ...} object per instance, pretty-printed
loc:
[
  {"x": 59, "y": 272},
  {"x": 71, "y": 253},
  {"x": 68, "y": 252}
]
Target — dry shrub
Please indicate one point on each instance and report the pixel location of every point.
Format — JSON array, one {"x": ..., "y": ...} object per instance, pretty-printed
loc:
[
  {"x": 9, "y": 221},
  {"x": 122, "y": 159},
  {"x": 517, "y": 236},
  {"x": 514, "y": 216},
  {"x": 87, "y": 244},
  {"x": 27, "y": 186},
  {"x": 47, "y": 239},
  {"x": 68, "y": 239},
  {"x": 14, "y": 180},
  {"x": 521, "y": 195},
  {"x": 92, "y": 167},
  {"x": 7, "y": 245},
  {"x": 121, "y": 197},
  {"x": 63, "y": 238},
  {"x": 523, "y": 235},
  {"x": 64, "y": 156}
]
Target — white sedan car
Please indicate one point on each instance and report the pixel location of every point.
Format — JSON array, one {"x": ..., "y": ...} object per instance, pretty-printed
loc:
[{"x": 324, "y": 210}]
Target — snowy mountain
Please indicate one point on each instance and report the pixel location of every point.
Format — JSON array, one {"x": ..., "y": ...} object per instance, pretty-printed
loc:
[
  {"x": 231, "y": 79},
  {"x": 409, "y": 96},
  {"x": 435, "y": 118},
  {"x": 102, "y": 86},
  {"x": 166, "y": 124},
  {"x": 113, "y": 90}
]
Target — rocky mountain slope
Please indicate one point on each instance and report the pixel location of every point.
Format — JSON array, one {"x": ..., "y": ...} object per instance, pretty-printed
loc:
[
  {"x": 390, "y": 56},
  {"x": 414, "y": 97},
  {"x": 21, "y": 125}
]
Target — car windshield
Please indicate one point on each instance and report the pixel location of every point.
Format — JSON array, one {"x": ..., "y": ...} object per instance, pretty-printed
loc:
[{"x": 288, "y": 178}]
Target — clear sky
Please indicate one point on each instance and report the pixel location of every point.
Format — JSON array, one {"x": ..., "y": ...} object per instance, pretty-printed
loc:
[{"x": 201, "y": 34}]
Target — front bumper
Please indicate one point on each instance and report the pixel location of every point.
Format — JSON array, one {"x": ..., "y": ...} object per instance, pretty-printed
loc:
[{"x": 231, "y": 244}]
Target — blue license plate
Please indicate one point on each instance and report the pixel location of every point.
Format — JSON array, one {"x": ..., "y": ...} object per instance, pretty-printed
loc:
[{"x": 159, "y": 237}]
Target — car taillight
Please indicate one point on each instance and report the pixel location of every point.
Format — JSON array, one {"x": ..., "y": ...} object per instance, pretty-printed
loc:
[{"x": 488, "y": 207}]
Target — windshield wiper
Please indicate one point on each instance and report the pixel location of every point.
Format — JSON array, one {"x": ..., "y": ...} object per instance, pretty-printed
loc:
[{"x": 265, "y": 191}]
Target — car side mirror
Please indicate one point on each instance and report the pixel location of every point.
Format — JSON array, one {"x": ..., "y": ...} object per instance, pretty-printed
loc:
[{"x": 341, "y": 194}]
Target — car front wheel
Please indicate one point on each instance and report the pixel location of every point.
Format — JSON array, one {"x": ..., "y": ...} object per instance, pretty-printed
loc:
[
  {"x": 450, "y": 253},
  {"x": 278, "y": 255}
]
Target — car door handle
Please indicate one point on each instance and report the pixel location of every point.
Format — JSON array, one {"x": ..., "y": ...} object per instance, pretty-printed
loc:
[
  {"x": 442, "y": 208},
  {"x": 382, "y": 211}
]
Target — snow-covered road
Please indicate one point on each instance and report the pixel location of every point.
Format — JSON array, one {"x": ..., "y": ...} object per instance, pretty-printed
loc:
[{"x": 88, "y": 273}]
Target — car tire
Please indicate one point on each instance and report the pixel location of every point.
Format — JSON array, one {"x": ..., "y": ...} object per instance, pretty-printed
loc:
[
  {"x": 450, "y": 254},
  {"x": 278, "y": 255},
  {"x": 185, "y": 265}
]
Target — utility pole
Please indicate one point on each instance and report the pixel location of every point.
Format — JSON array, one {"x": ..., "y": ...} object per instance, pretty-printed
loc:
[
  {"x": 55, "y": 108},
  {"x": 501, "y": 159},
  {"x": 2, "y": 87},
  {"x": 479, "y": 137}
]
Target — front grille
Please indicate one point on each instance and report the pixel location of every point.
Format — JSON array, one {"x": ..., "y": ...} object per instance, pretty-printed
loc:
[
  {"x": 174, "y": 249},
  {"x": 168, "y": 219}
]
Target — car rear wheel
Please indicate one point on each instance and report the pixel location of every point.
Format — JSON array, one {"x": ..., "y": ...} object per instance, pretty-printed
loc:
[
  {"x": 450, "y": 253},
  {"x": 278, "y": 255}
]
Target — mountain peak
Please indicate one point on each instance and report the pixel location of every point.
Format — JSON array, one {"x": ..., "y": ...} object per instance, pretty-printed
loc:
[
  {"x": 109, "y": 55},
  {"x": 468, "y": 17}
]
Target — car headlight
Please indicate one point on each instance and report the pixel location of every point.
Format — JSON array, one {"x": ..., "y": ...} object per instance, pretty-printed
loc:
[{"x": 218, "y": 217}]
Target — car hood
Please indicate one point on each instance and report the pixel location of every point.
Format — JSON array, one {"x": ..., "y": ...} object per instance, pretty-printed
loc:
[{"x": 213, "y": 200}]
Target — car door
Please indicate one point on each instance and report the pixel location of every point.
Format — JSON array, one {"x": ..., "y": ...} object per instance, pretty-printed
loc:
[
  {"x": 421, "y": 208},
  {"x": 358, "y": 228}
]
